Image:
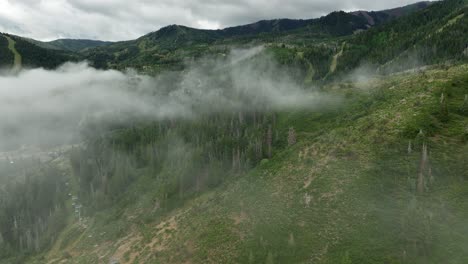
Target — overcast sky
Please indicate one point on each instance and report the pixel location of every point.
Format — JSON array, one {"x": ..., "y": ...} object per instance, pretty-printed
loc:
[{"x": 129, "y": 19}]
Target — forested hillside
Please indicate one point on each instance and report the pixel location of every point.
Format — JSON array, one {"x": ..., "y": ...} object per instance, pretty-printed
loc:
[
  {"x": 342, "y": 139},
  {"x": 170, "y": 47},
  {"x": 380, "y": 179},
  {"x": 32, "y": 55},
  {"x": 432, "y": 35}
]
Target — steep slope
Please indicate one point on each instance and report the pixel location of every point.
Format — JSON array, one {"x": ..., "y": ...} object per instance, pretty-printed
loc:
[{"x": 346, "y": 192}]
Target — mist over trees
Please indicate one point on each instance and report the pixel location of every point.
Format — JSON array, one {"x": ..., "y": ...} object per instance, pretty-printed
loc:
[
  {"x": 289, "y": 150},
  {"x": 187, "y": 132}
]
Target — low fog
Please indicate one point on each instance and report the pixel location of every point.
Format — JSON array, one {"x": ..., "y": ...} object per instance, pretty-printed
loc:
[{"x": 39, "y": 106}]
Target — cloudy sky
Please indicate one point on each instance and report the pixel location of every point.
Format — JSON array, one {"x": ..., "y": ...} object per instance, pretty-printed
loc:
[{"x": 124, "y": 19}]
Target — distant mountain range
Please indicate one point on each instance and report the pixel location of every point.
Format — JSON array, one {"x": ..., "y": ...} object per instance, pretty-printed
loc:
[
  {"x": 169, "y": 47},
  {"x": 336, "y": 22}
]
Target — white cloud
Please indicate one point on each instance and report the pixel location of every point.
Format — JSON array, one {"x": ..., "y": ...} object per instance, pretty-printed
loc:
[
  {"x": 52, "y": 109},
  {"x": 122, "y": 19}
]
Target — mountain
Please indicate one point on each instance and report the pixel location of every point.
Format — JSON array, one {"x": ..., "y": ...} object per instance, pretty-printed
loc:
[
  {"x": 423, "y": 33},
  {"x": 336, "y": 23},
  {"x": 70, "y": 45},
  {"x": 151, "y": 48},
  {"x": 376, "y": 172},
  {"x": 19, "y": 52},
  {"x": 375, "y": 18},
  {"x": 32, "y": 53},
  {"x": 77, "y": 45},
  {"x": 431, "y": 35},
  {"x": 345, "y": 192},
  {"x": 156, "y": 50}
]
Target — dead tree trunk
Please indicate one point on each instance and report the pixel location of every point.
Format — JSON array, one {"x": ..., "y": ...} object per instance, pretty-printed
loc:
[
  {"x": 269, "y": 141},
  {"x": 422, "y": 169}
]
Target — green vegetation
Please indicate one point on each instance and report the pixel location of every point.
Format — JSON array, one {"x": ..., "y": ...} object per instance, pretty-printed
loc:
[
  {"x": 346, "y": 192},
  {"x": 16, "y": 52},
  {"x": 34, "y": 56},
  {"x": 379, "y": 177},
  {"x": 428, "y": 36},
  {"x": 171, "y": 47}
]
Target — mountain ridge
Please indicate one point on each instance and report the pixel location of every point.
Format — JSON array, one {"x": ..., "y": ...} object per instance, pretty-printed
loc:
[{"x": 104, "y": 53}]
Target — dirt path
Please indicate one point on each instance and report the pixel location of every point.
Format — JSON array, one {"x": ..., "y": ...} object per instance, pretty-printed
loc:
[
  {"x": 335, "y": 59},
  {"x": 11, "y": 46}
]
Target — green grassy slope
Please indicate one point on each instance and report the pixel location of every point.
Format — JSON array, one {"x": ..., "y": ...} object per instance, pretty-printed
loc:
[{"x": 345, "y": 193}]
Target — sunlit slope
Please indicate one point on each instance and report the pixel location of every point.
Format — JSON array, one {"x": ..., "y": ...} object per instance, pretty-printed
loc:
[{"x": 347, "y": 192}]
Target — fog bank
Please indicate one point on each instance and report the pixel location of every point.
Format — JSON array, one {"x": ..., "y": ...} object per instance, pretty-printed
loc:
[{"x": 39, "y": 106}]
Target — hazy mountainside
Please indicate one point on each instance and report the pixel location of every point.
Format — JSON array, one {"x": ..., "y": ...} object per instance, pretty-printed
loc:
[
  {"x": 73, "y": 45},
  {"x": 379, "y": 17},
  {"x": 32, "y": 55},
  {"x": 322, "y": 48},
  {"x": 435, "y": 34},
  {"x": 283, "y": 141},
  {"x": 336, "y": 23},
  {"x": 350, "y": 185},
  {"x": 78, "y": 44},
  {"x": 171, "y": 45},
  {"x": 48, "y": 55}
]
